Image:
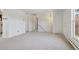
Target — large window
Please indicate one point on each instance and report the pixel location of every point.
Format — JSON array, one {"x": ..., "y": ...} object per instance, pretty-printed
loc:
[{"x": 77, "y": 22}]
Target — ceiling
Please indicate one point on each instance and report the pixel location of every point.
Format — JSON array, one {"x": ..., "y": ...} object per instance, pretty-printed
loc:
[
  {"x": 36, "y": 10},
  {"x": 28, "y": 11}
]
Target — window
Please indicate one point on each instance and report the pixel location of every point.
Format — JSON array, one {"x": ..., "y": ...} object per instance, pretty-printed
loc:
[{"x": 77, "y": 22}]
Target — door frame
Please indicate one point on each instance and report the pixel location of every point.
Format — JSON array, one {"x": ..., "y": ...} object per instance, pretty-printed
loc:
[{"x": 1, "y": 24}]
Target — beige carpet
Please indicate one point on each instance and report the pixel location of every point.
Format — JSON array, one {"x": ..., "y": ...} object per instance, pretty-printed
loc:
[{"x": 36, "y": 41}]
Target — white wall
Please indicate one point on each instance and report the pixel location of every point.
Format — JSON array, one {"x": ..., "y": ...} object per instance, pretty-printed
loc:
[
  {"x": 5, "y": 25},
  {"x": 13, "y": 23},
  {"x": 16, "y": 22},
  {"x": 0, "y": 12},
  {"x": 43, "y": 20},
  {"x": 67, "y": 29},
  {"x": 0, "y": 24},
  {"x": 63, "y": 22},
  {"x": 30, "y": 24},
  {"x": 58, "y": 21}
]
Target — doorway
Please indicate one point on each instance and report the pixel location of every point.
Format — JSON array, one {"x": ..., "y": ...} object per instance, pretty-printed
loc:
[
  {"x": 39, "y": 22},
  {"x": 0, "y": 25}
]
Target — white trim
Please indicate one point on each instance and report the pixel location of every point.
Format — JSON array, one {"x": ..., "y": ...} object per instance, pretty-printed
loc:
[
  {"x": 73, "y": 23},
  {"x": 74, "y": 39}
]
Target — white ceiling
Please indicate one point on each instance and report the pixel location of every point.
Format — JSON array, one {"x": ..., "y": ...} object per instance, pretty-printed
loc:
[
  {"x": 36, "y": 10},
  {"x": 33, "y": 11}
]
